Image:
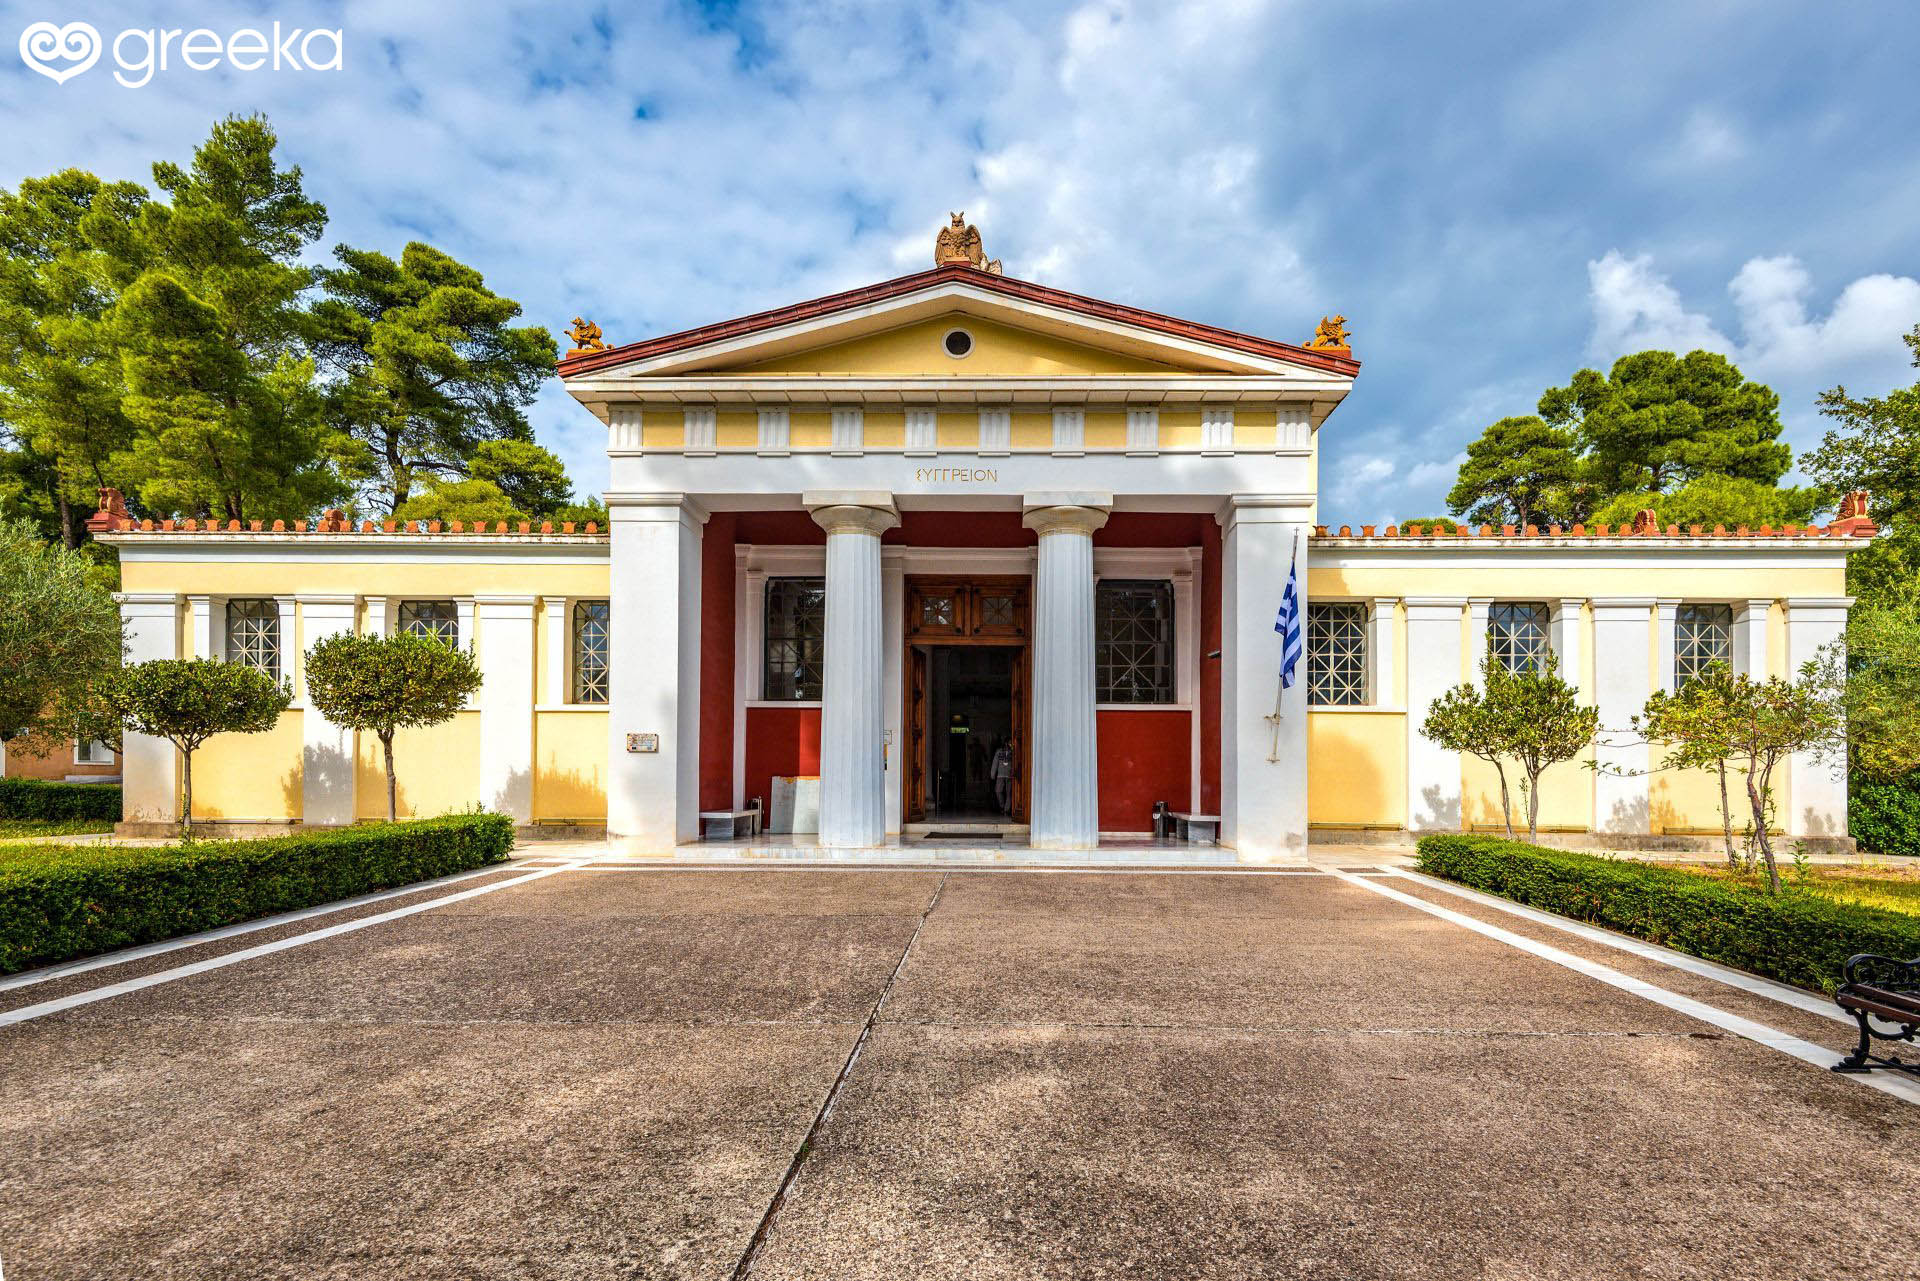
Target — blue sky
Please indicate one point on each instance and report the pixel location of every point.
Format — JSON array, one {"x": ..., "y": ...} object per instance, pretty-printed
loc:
[{"x": 1494, "y": 195}]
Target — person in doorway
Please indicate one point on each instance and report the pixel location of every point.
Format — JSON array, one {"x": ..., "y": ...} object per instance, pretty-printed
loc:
[{"x": 1001, "y": 772}]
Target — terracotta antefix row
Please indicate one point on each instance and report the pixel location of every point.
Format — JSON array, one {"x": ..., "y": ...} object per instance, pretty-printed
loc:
[
  {"x": 1852, "y": 522},
  {"x": 113, "y": 517}
]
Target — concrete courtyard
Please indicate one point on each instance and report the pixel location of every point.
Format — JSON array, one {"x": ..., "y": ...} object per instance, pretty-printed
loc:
[{"x": 604, "y": 1070}]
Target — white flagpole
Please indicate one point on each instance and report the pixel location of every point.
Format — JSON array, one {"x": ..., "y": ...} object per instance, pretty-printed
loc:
[{"x": 1279, "y": 683}]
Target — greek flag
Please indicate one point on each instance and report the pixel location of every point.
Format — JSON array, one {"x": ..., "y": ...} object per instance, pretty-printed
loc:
[{"x": 1288, "y": 625}]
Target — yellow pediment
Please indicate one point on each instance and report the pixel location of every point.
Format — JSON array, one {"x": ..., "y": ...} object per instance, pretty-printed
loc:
[{"x": 920, "y": 349}]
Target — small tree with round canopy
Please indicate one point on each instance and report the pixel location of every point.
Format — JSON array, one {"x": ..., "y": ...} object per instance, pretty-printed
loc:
[{"x": 386, "y": 683}]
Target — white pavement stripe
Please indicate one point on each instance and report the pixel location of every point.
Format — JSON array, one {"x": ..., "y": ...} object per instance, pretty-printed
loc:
[
  {"x": 1819, "y": 1056},
  {"x": 1750, "y": 983},
  {"x": 26, "y": 1012},
  {"x": 70, "y": 968}
]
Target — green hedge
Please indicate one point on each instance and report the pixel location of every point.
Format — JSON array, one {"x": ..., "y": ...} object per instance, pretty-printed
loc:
[
  {"x": 1795, "y": 937},
  {"x": 1885, "y": 817},
  {"x": 32, "y": 798},
  {"x": 63, "y": 901}
]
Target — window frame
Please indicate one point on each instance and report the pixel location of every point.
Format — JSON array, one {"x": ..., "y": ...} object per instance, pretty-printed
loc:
[
  {"x": 81, "y": 745},
  {"x": 1725, "y": 621},
  {"x": 230, "y": 652},
  {"x": 402, "y": 626},
  {"x": 788, "y": 690},
  {"x": 1542, "y": 611},
  {"x": 576, "y": 615},
  {"x": 1168, "y": 665},
  {"x": 1363, "y": 612}
]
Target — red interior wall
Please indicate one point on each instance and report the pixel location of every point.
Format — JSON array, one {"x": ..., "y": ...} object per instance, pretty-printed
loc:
[
  {"x": 1144, "y": 757},
  {"x": 1210, "y": 668},
  {"x": 716, "y": 663},
  {"x": 780, "y": 741}
]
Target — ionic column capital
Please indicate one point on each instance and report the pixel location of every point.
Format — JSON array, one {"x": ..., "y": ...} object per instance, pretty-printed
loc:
[
  {"x": 1067, "y": 518},
  {"x": 846, "y": 518}
]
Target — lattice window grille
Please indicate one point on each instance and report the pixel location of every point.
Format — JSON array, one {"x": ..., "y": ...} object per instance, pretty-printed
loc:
[
  {"x": 436, "y": 619},
  {"x": 253, "y": 635},
  {"x": 1133, "y": 651},
  {"x": 1702, "y": 636},
  {"x": 1336, "y": 654},
  {"x": 1517, "y": 635},
  {"x": 796, "y": 637},
  {"x": 590, "y": 651}
]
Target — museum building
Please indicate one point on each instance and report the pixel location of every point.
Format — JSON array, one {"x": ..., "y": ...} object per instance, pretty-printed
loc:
[{"x": 960, "y": 552}]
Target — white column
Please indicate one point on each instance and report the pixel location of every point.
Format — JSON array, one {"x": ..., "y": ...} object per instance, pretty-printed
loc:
[
  {"x": 1433, "y": 668},
  {"x": 1565, "y": 627},
  {"x": 1622, "y": 681},
  {"x": 506, "y": 704},
  {"x": 654, "y": 673},
  {"x": 1263, "y": 761},
  {"x": 1816, "y": 803},
  {"x": 1477, "y": 609},
  {"x": 1666, "y": 615},
  {"x": 1065, "y": 805},
  {"x": 1380, "y": 636},
  {"x": 326, "y": 749},
  {"x": 1750, "y": 638},
  {"x": 556, "y": 647},
  {"x": 149, "y": 767},
  {"x": 893, "y": 609},
  {"x": 853, "y": 784}
]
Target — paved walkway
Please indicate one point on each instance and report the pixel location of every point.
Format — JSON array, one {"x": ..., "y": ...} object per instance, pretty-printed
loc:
[{"x": 614, "y": 1071}]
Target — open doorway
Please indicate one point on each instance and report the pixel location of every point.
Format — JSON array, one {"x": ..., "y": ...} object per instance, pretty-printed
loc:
[{"x": 970, "y": 770}]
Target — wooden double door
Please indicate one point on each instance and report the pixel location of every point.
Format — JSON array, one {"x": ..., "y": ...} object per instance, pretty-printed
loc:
[{"x": 967, "y": 698}]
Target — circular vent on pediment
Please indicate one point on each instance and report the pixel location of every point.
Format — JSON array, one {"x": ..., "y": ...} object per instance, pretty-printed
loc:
[{"x": 957, "y": 343}]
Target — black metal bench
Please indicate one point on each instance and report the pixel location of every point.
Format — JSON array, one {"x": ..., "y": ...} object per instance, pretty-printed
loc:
[{"x": 1880, "y": 992}]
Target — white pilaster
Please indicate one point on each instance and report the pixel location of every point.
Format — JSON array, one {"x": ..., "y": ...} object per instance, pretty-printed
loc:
[
  {"x": 1293, "y": 429},
  {"x": 149, "y": 767},
  {"x": 208, "y": 628},
  {"x": 775, "y": 432},
  {"x": 1069, "y": 432},
  {"x": 1565, "y": 638},
  {"x": 557, "y": 643},
  {"x": 1622, "y": 681},
  {"x": 326, "y": 749},
  {"x": 376, "y": 609},
  {"x": 893, "y": 609},
  {"x": 849, "y": 432},
  {"x": 1263, "y": 758},
  {"x": 623, "y": 429},
  {"x": 1380, "y": 634},
  {"x": 653, "y": 797},
  {"x": 506, "y": 704},
  {"x": 1143, "y": 431},
  {"x": 1666, "y": 616},
  {"x": 1065, "y": 805},
  {"x": 289, "y": 673},
  {"x": 1433, "y": 668},
  {"x": 1216, "y": 430},
  {"x": 922, "y": 433},
  {"x": 853, "y": 784},
  {"x": 463, "y": 625},
  {"x": 1750, "y": 638},
  {"x": 1817, "y": 796},
  {"x": 1477, "y": 609}
]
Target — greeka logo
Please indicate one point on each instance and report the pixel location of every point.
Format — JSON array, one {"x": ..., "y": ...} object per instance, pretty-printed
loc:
[{"x": 139, "y": 53}]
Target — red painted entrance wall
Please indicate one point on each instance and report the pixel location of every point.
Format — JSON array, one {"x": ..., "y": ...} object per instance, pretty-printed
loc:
[
  {"x": 716, "y": 663},
  {"x": 780, "y": 741},
  {"x": 1144, "y": 757}
]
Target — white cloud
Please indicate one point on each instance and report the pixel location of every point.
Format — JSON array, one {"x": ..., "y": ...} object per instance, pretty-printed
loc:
[
  {"x": 1437, "y": 472},
  {"x": 1634, "y": 308},
  {"x": 1358, "y": 477}
]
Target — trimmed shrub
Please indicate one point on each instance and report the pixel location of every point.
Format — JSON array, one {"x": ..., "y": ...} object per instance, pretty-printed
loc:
[
  {"x": 63, "y": 901},
  {"x": 1795, "y": 937},
  {"x": 1885, "y": 817},
  {"x": 48, "y": 802}
]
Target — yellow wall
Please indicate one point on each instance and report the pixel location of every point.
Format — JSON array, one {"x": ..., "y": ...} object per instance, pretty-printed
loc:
[
  {"x": 360, "y": 571},
  {"x": 436, "y": 769},
  {"x": 1566, "y": 794},
  {"x": 998, "y": 349},
  {"x": 570, "y": 765},
  {"x": 1357, "y": 769},
  {"x": 242, "y": 776}
]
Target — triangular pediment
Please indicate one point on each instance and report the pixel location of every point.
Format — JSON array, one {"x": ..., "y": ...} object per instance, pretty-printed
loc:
[{"x": 897, "y": 329}]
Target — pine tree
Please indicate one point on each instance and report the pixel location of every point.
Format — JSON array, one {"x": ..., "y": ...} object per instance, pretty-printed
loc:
[{"x": 1519, "y": 472}]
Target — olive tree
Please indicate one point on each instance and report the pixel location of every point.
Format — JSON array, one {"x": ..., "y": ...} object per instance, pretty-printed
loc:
[
  {"x": 1528, "y": 717},
  {"x": 385, "y": 683},
  {"x": 1696, "y": 726},
  {"x": 188, "y": 700},
  {"x": 1757, "y": 725},
  {"x": 59, "y": 635}
]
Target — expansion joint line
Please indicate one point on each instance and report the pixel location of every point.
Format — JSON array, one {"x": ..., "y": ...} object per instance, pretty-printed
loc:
[{"x": 800, "y": 1154}]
